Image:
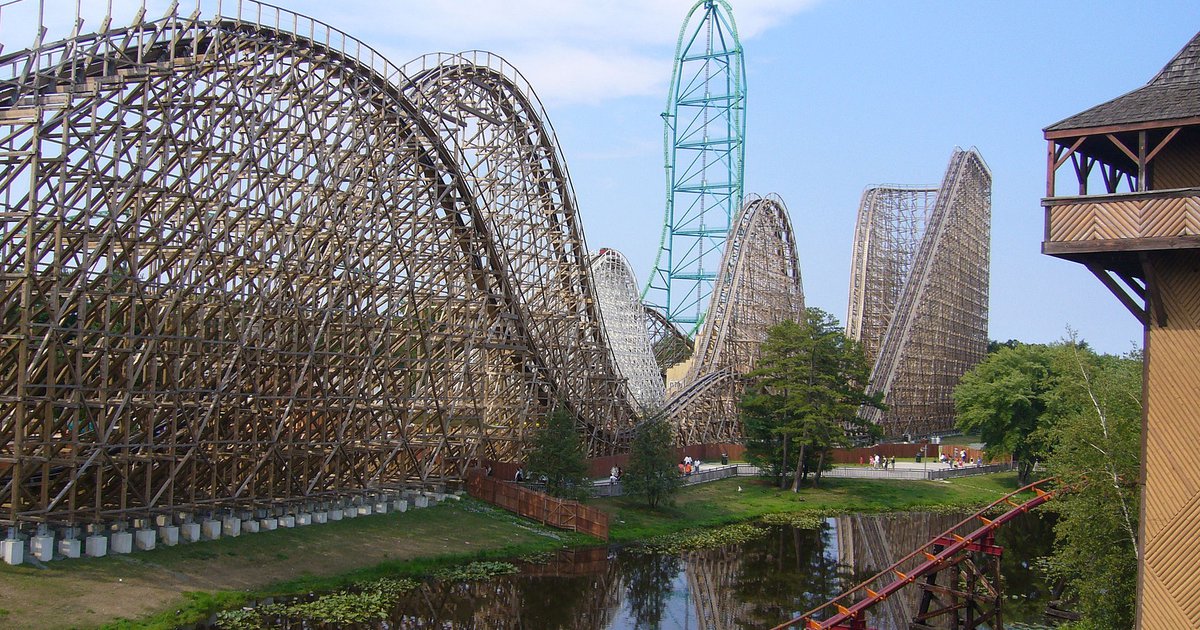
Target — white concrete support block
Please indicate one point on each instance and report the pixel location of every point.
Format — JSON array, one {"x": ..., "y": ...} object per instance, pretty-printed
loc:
[
  {"x": 69, "y": 547},
  {"x": 121, "y": 542},
  {"x": 189, "y": 532},
  {"x": 421, "y": 501},
  {"x": 13, "y": 549},
  {"x": 41, "y": 547},
  {"x": 400, "y": 505},
  {"x": 250, "y": 526},
  {"x": 320, "y": 518},
  {"x": 231, "y": 526},
  {"x": 350, "y": 512},
  {"x": 335, "y": 515},
  {"x": 96, "y": 546},
  {"x": 169, "y": 535},
  {"x": 269, "y": 524},
  {"x": 211, "y": 529},
  {"x": 288, "y": 521},
  {"x": 365, "y": 510},
  {"x": 145, "y": 539},
  {"x": 304, "y": 518},
  {"x": 381, "y": 507}
]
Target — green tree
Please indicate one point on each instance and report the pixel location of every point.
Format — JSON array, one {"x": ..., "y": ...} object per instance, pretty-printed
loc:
[
  {"x": 558, "y": 455},
  {"x": 1003, "y": 399},
  {"x": 995, "y": 346},
  {"x": 1095, "y": 447},
  {"x": 652, "y": 471},
  {"x": 805, "y": 393}
]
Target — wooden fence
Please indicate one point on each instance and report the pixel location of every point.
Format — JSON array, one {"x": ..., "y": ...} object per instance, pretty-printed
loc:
[{"x": 560, "y": 513}]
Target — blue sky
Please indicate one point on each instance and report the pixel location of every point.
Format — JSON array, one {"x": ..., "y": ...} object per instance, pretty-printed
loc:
[{"x": 843, "y": 94}]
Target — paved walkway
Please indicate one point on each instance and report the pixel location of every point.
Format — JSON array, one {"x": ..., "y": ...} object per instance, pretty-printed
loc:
[
  {"x": 906, "y": 471},
  {"x": 927, "y": 470}
]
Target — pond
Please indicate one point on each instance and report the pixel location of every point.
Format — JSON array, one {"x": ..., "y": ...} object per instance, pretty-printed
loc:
[{"x": 755, "y": 584}]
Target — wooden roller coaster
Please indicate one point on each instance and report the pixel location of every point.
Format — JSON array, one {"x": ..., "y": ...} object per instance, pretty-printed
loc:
[{"x": 967, "y": 558}]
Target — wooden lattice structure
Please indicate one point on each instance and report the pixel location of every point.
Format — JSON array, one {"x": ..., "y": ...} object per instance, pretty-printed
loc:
[
  {"x": 246, "y": 261},
  {"x": 758, "y": 285},
  {"x": 625, "y": 329},
  {"x": 1130, "y": 212},
  {"x": 919, "y": 293}
]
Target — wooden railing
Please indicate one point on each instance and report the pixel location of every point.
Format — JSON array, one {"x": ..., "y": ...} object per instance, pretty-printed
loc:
[{"x": 560, "y": 513}]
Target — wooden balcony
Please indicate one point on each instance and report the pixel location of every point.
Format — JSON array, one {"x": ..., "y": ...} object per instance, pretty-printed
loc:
[{"x": 1123, "y": 222}]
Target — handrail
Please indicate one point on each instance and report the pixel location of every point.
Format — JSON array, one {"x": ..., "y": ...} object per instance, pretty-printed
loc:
[{"x": 933, "y": 561}]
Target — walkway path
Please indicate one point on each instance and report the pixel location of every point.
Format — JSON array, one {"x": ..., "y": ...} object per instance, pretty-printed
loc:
[{"x": 904, "y": 471}]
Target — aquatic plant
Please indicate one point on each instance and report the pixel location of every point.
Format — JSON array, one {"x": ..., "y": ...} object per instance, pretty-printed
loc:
[
  {"x": 475, "y": 571},
  {"x": 799, "y": 520},
  {"x": 705, "y": 539}
]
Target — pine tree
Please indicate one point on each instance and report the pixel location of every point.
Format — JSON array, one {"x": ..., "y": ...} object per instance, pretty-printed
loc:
[{"x": 805, "y": 394}]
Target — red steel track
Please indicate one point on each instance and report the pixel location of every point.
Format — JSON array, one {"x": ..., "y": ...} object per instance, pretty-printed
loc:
[{"x": 851, "y": 605}]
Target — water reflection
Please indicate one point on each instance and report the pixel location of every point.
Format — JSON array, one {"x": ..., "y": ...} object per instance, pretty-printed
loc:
[{"x": 754, "y": 585}]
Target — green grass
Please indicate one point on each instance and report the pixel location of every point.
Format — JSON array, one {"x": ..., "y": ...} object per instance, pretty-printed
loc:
[
  {"x": 960, "y": 440},
  {"x": 721, "y": 502},
  {"x": 470, "y": 519}
]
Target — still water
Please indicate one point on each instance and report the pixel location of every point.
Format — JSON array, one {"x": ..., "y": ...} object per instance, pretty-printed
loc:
[{"x": 752, "y": 585}]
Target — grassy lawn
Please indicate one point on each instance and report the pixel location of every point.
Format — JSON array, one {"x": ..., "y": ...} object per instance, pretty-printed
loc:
[
  {"x": 960, "y": 440},
  {"x": 732, "y": 500},
  {"x": 175, "y": 585},
  {"x": 172, "y": 586}
]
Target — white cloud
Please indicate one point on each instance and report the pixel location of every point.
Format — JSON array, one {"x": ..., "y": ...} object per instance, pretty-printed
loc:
[{"x": 572, "y": 51}]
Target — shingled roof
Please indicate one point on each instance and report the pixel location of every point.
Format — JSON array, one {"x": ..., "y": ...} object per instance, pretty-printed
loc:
[{"x": 1172, "y": 94}]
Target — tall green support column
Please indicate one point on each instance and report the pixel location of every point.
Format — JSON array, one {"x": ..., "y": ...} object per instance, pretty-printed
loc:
[{"x": 704, "y": 141}]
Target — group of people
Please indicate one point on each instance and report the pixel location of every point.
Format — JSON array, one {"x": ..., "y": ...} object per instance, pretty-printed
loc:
[
  {"x": 879, "y": 462},
  {"x": 960, "y": 459},
  {"x": 687, "y": 465},
  {"x": 614, "y": 474}
]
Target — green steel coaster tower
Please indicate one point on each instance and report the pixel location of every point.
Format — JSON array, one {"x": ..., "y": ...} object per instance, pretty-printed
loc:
[{"x": 704, "y": 145}]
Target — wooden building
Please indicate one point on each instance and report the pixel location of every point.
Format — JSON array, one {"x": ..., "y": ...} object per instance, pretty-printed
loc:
[{"x": 1134, "y": 221}]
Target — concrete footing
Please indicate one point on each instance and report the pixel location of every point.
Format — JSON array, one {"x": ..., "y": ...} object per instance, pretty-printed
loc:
[
  {"x": 120, "y": 542},
  {"x": 13, "y": 550},
  {"x": 170, "y": 529},
  {"x": 145, "y": 539},
  {"x": 168, "y": 535},
  {"x": 210, "y": 530},
  {"x": 69, "y": 547},
  {"x": 189, "y": 532},
  {"x": 96, "y": 546},
  {"x": 41, "y": 547}
]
